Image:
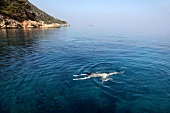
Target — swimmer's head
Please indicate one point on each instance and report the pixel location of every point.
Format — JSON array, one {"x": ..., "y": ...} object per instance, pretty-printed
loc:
[{"x": 88, "y": 73}]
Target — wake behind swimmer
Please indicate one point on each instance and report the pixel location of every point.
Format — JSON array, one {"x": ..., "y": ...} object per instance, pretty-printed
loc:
[{"x": 103, "y": 76}]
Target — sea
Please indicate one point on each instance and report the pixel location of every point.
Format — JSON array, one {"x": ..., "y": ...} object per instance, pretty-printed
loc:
[{"x": 38, "y": 68}]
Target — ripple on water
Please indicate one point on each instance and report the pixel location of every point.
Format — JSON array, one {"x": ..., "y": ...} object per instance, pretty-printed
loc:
[
  {"x": 134, "y": 84},
  {"x": 37, "y": 68},
  {"x": 110, "y": 88}
]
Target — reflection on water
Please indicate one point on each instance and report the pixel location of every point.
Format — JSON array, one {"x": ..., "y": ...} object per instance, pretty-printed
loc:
[{"x": 37, "y": 68}]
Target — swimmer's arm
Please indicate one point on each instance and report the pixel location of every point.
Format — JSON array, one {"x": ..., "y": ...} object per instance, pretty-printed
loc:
[
  {"x": 113, "y": 73},
  {"x": 80, "y": 75},
  {"x": 81, "y": 78}
]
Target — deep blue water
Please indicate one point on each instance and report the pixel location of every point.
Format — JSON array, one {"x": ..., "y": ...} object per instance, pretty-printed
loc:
[{"x": 37, "y": 68}]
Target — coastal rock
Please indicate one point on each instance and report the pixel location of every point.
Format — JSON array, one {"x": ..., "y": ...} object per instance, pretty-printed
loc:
[
  {"x": 30, "y": 24},
  {"x": 54, "y": 25},
  {"x": 10, "y": 23},
  {"x": 25, "y": 15}
]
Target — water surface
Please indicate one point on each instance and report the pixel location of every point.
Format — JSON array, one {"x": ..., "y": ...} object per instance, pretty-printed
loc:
[{"x": 37, "y": 68}]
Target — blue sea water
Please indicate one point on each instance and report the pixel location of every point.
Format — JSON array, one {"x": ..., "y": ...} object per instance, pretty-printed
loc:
[{"x": 37, "y": 68}]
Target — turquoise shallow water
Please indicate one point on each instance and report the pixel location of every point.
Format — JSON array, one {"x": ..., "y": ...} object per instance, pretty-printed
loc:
[{"x": 37, "y": 68}]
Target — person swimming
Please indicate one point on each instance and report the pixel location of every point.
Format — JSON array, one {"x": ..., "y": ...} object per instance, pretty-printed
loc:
[{"x": 103, "y": 76}]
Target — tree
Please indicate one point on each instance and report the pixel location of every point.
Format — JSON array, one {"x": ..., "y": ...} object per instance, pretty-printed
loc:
[{"x": 16, "y": 9}]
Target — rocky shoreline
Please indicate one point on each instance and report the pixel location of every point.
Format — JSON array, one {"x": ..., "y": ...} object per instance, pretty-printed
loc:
[{"x": 6, "y": 23}]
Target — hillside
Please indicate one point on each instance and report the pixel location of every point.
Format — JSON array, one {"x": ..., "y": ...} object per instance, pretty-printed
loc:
[
  {"x": 22, "y": 10},
  {"x": 40, "y": 15}
]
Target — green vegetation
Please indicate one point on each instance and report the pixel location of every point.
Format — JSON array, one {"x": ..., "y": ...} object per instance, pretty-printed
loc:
[
  {"x": 16, "y": 9},
  {"x": 3, "y": 5},
  {"x": 42, "y": 16},
  {"x": 21, "y": 10}
]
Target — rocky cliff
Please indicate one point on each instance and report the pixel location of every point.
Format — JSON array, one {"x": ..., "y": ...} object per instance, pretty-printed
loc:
[{"x": 21, "y": 13}]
